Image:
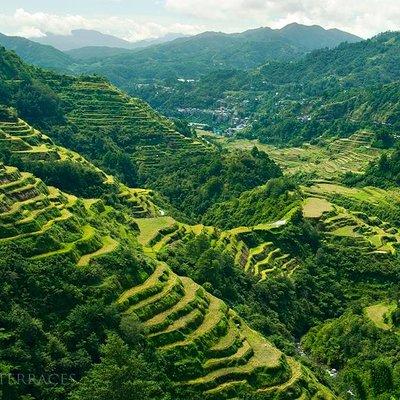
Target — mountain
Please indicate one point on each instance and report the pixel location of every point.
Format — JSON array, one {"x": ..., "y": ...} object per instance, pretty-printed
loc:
[
  {"x": 82, "y": 38},
  {"x": 100, "y": 52},
  {"x": 314, "y": 37},
  {"x": 34, "y": 53},
  {"x": 365, "y": 63},
  {"x": 331, "y": 92},
  {"x": 197, "y": 55},
  {"x": 173, "y": 56},
  {"x": 89, "y": 53},
  {"x": 326, "y": 93},
  {"x": 133, "y": 141}
]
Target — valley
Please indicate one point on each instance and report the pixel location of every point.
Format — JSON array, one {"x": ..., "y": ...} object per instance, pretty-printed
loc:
[{"x": 149, "y": 259}]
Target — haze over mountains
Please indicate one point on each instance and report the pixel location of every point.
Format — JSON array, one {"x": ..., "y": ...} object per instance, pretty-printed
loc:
[
  {"x": 87, "y": 38},
  {"x": 35, "y": 53}
]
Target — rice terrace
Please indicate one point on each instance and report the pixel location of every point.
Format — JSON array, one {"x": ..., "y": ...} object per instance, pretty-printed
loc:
[{"x": 195, "y": 205}]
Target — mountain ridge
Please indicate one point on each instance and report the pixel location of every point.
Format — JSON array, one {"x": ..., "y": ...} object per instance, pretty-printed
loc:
[
  {"x": 80, "y": 38},
  {"x": 35, "y": 53}
]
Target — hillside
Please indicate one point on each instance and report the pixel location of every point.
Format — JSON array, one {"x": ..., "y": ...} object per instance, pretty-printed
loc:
[
  {"x": 384, "y": 173},
  {"x": 141, "y": 258},
  {"x": 130, "y": 140},
  {"x": 332, "y": 92},
  {"x": 349, "y": 235},
  {"x": 178, "y": 316},
  {"x": 45, "y": 227},
  {"x": 354, "y": 85},
  {"x": 101, "y": 51},
  {"x": 95, "y": 52},
  {"x": 178, "y": 79},
  {"x": 327, "y": 93},
  {"x": 32, "y": 151},
  {"x": 37, "y": 54},
  {"x": 371, "y": 61},
  {"x": 144, "y": 148}
]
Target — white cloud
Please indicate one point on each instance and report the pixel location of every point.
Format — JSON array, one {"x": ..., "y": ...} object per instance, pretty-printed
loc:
[
  {"x": 23, "y": 23},
  {"x": 366, "y": 17}
]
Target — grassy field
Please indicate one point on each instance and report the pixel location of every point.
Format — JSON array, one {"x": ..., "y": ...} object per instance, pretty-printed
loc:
[
  {"x": 109, "y": 245},
  {"x": 314, "y": 207},
  {"x": 150, "y": 226},
  {"x": 377, "y": 313}
]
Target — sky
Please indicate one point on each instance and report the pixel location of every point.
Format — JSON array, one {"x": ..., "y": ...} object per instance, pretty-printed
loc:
[{"x": 141, "y": 19}]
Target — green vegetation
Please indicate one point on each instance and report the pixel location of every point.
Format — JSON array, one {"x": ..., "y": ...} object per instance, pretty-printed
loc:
[
  {"x": 130, "y": 140},
  {"x": 325, "y": 94},
  {"x": 28, "y": 149},
  {"x": 361, "y": 345},
  {"x": 330, "y": 159},
  {"x": 380, "y": 314},
  {"x": 94, "y": 248},
  {"x": 265, "y": 203},
  {"x": 240, "y": 271},
  {"x": 110, "y": 288},
  {"x": 37, "y": 54},
  {"x": 384, "y": 173},
  {"x": 190, "y": 57}
]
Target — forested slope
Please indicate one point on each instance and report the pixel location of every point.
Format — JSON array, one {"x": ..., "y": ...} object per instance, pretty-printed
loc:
[{"x": 129, "y": 139}]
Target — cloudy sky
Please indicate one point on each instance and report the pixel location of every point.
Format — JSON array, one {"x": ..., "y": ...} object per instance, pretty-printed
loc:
[{"x": 141, "y": 19}]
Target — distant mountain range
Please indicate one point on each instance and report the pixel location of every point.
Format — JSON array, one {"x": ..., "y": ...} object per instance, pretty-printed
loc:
[
  {"x": 315, "y": 37},
  {"x": 37, "y": 54},
  {"x": 172, "y": 56},
  {"x": 195, "y": 56},
  {"x": 81, "y": 38}
]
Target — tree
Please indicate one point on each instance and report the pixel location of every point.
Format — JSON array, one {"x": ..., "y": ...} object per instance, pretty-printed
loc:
[
  {"x": 381, "y": 376},
  {"x": 122, "y": 374},
  {"x": 396, "y": 317}
]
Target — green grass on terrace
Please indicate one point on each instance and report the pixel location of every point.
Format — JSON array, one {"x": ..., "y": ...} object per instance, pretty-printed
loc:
[
  {"x": 377, "y": 313},
  {"x": 150, "y": 226}
]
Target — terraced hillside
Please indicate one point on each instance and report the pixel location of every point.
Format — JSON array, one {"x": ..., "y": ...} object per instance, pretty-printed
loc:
[
  {"x": 205, "y": 343},
  {"x": 361, "y": 217},
  {"x": 326, "y": 162},
  {"x": 255, "y": 249},
  {"x": 358, "y": 215},
  {"x": 208, "y": 346},
  {"x": 46, "y": 223},
  {"x": 94, "y": 105},
  {"x": 28, "y": 145}
]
